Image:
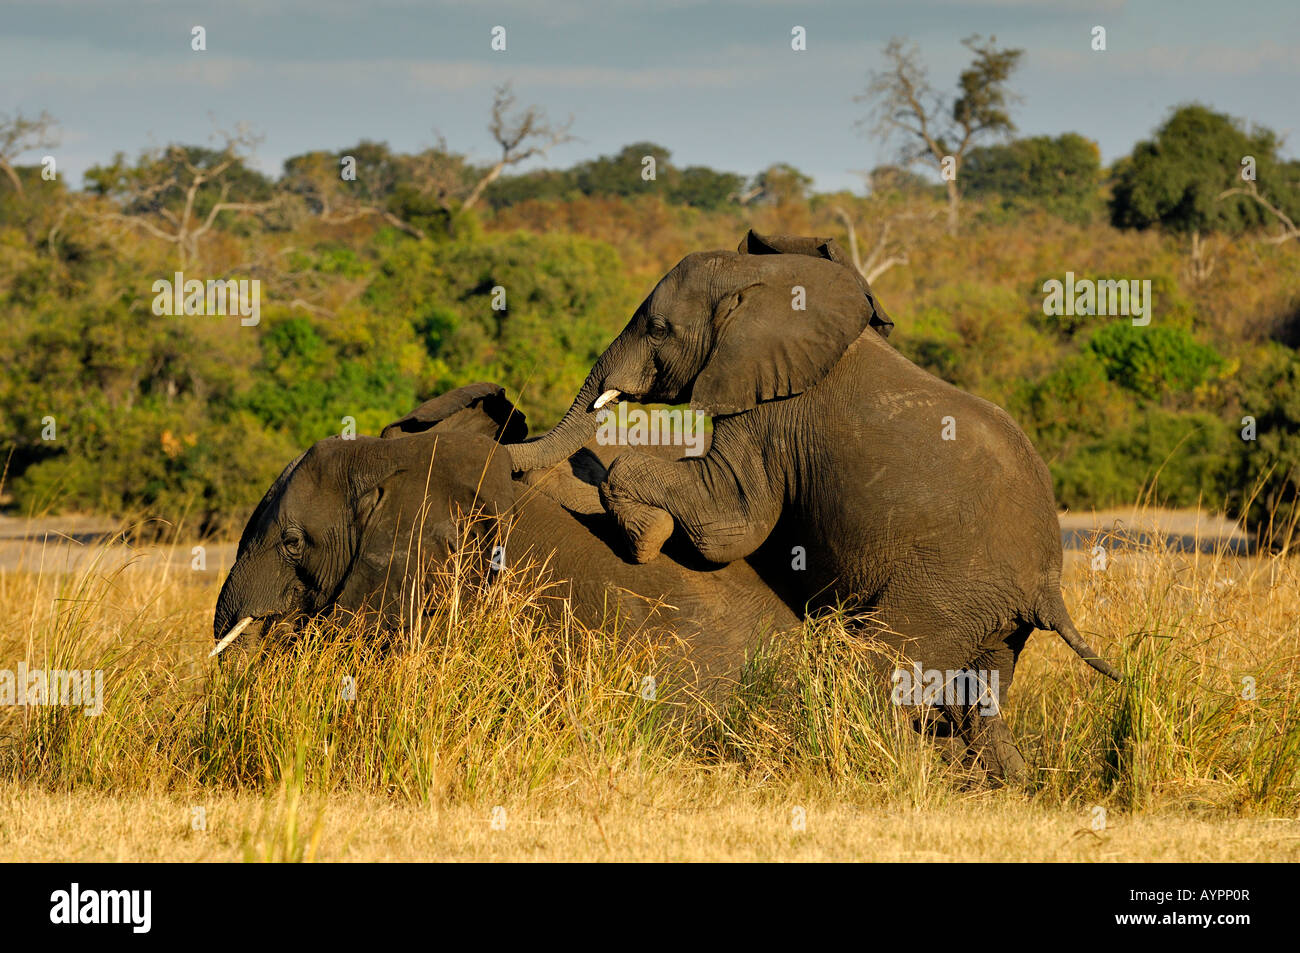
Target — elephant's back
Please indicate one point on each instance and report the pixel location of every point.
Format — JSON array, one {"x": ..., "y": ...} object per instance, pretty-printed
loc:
[
  {"x": 720, "y": 611},
  {"x": 911, "y": 478},
  {"x": 935, "y": 440}
]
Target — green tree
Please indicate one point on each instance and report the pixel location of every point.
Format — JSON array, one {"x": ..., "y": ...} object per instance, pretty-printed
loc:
[
  {"x": 1264, "y": 485},
  {"x": 702, "y": 187},
  {"x": 1177, "y": 180},
  {"x": 781, "y": 183},
  {"x": 315, "y": 373},
  {"x": 417, "y": 194},
  {"x": 621, "y": 174},
  {"x": 541, "y": 185},
  {"x": 1185, "y": 454},
  {"x": 894, "y": 179},
  {"x": 1061, "y": 174},
  {"x": 565, "y": 297}
]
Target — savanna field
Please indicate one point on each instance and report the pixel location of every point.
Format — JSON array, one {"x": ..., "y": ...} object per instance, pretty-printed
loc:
[
  {"x": 130, "y": 435},
  {"x": 493, "y": 734}
]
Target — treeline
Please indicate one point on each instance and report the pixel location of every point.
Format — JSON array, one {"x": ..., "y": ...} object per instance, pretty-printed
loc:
[{"x": 379, "y": 272}]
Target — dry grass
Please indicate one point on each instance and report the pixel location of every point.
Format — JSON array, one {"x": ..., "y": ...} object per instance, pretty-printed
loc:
[
  {"x": 490, "y": 706},
  {"x": 91, "y": 826}
]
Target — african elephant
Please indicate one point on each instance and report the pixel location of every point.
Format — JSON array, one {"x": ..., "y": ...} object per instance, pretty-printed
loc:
[
  {"x": 335, "y": 530},
  {"x": 842, "y": 465}
]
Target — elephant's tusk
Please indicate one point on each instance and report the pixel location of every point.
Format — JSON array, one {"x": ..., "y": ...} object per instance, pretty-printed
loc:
[
  {"x": 605, "y": 398},
  {"x": 230, "y": 636}
]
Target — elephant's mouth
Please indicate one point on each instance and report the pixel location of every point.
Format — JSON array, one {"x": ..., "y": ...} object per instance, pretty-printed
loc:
[
  {"x": 235, "y": 631},
  {"x": 613, "y": 395},
  {"x": 256, "y": 627}
]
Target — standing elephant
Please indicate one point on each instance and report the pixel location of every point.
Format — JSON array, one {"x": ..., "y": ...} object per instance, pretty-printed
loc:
[
  {"x": 863, "y": 479},
  {"x": 339, "y": 527}
]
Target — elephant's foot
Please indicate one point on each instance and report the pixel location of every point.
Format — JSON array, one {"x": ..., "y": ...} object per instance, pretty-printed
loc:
[
  {"x": 1003, "y": 757},
  {"x": 991, "y": 752},
  {"x": 647, "y": 528},
  {"x": 1009, "y": 765},
  {"x": 995, "y": 747}
]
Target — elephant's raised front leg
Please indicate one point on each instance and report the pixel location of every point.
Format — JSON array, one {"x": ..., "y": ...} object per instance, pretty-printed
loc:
[
  {"x": 724, "y": 520},
  {"x": 646, "y": 527}
]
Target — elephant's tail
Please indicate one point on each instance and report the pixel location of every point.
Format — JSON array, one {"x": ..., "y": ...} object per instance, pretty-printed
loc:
[{"x": 1057, "y": 618}]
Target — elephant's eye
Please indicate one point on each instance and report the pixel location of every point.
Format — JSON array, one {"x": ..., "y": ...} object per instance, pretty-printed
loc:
[
  {"x": 292, "y": 541},
  {"x": 658, "y": 328}
]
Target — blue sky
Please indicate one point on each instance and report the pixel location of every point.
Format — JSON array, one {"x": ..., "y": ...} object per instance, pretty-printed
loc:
[{"x": 716, "y": 83}]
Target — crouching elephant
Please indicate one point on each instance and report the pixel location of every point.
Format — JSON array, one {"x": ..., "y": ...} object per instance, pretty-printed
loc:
[
  {"x": 339, "y": 526},
  {"x": 850, "y": 472}
]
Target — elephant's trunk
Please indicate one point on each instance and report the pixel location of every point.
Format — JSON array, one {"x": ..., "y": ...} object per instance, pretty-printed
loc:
[
  {"x": 568, "y": 436},
  {"x": 255, "y": 589}
]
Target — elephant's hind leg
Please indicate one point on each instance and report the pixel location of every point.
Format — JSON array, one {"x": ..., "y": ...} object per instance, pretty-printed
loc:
[
  {"x": 977, "y": 719},
  {"x": 989, "y": 744},
  {"x": 966, "y": 694}
]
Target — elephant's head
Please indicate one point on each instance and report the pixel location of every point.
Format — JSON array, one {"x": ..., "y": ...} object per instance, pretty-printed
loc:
[
  {"x": 350, "y": 522},
  {"x": 725, "y": 331}
]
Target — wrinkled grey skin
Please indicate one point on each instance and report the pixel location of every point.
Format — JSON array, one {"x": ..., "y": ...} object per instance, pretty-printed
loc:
[
  {"x": 827, "y": 438},
  {"x": 335, "y": 530}
]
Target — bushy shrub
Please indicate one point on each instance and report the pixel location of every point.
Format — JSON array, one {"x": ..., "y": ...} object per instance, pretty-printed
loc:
[
  {"x": 1184, "y": 455},
  {"x": 565, "y": 299},
  {"x": 1153, "y": 361},
  {"x": 1264, "y": 483}
]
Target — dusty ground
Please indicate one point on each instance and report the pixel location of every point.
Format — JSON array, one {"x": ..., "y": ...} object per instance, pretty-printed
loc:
[{"x": 70, "y": 544}]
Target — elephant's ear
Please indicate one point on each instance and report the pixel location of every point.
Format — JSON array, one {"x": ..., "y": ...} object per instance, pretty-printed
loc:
[
  {"x": 755, "y": 244},
  {"x": 478, "y": 408},
  {"x": 766, "y": 349}
]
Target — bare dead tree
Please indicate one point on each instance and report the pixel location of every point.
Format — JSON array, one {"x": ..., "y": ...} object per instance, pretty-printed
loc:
[
  {"x": 318, "y": 181},
  {"x": 19, "y": 134},
  {"x": 895, "y": 237},
  {"x": 513, "y": 134},
  {"x": 880, "y": 258},
  {"x": 936, "y": 129},
  {"x": 172, "y": 174},
  {"x": 1289, "y": 228},
  {"x": 1203, "y": 259}
]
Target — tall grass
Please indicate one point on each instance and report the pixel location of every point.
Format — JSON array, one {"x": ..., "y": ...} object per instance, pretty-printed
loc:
[
  {"x": 493, "y": 702},
  {"x": 1206, "y": 717}
]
